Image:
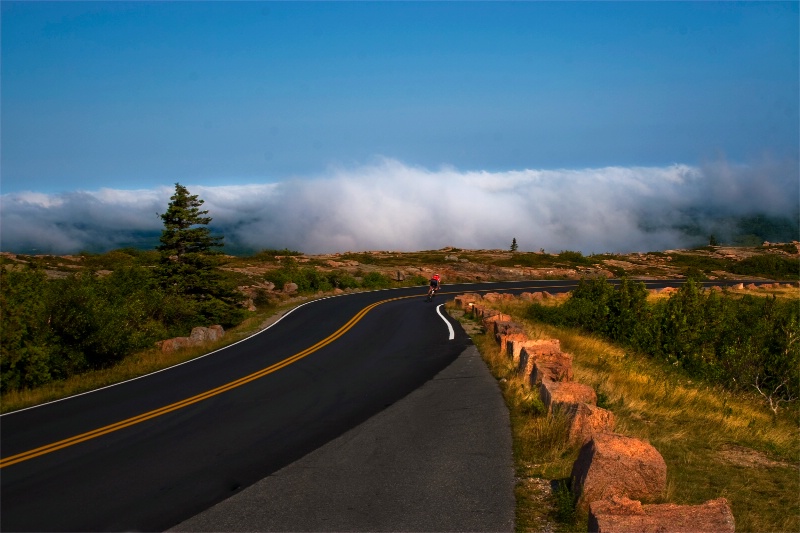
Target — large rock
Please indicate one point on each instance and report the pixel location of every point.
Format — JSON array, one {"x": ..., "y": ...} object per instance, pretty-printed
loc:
[
  {"x": 463, "y": 301},
  {"x": 514, "y": 344},
  {"x": 490, "y": 318},
  {"x": 622, "y": 515},
  {"x": 530, "y": 351},
  {"x": 198, "y": 336},
  {"x": 615, "y": 465},
  {"x": 550, "y": 367},
  {"x": 587, "y": 420},
  {"x": 479, "y": 311},
  {"x": 289, "y": 287},
  {"x": 503, "y": 329},
  {"x": 215, "y": 333},
  {"x": 171, "y": 345},
  {"x": 508, "y": 341},
  {"x": 565, "y": 396}
]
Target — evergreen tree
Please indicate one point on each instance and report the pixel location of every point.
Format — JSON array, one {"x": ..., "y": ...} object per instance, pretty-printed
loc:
[
  {"x": 185, "y": 227},
  {"x": 514, "y": 245},
  {"x": 189, "y": 261}
]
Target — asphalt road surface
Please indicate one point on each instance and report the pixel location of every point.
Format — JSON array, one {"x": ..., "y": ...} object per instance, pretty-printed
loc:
[{"x": 151, "y": 453}]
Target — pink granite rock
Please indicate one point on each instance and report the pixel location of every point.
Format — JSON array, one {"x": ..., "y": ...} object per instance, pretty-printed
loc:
[
  {"x": 622, "y": 515},
  {"x": 531, "y": 351},
  {"x": 551, "y": 367},
  {"x": 587, "y": 420},
  {"x": 565, "y": 396},
  {"x": 615, "y": 465}
]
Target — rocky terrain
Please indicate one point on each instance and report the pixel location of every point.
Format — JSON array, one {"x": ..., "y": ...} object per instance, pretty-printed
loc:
[{"x": 457, "y": 265}]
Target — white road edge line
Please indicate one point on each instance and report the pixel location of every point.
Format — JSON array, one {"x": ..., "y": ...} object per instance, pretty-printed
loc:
[{"x": 449, "y": 325}]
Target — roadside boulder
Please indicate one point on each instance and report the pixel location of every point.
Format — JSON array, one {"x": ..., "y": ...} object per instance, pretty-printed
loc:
[
  {"x": 553, "y": 367},
  {"x": 489, "y": 320},
  {"x": 615, "y": 465},
  {"x": 530, "y": 351},
  {"x": 502, "y": 329},
  {"x": 198, "y": 336},
  {"x": 507, "y": 340},
  {"x": 565, "y": 396},
  {"x": 289, "y": 288},
  {"x": 587, "y": 420},
  {"x": 171, "y": 345},
  {"x": 463, "y": 301},
  {"x": 622, "y": 515}
]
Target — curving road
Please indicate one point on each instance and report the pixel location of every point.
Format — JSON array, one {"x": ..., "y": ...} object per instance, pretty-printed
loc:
[{"x": 149, "y": 453}]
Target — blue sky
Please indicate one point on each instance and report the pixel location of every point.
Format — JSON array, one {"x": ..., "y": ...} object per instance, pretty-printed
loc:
[{"x": 137, "y": 96}]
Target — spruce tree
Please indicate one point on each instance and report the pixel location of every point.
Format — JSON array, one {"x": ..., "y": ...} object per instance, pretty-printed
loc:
[{"x": 189, "y": 260}]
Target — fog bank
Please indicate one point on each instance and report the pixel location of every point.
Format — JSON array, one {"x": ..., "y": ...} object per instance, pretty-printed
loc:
[{"x": 388, "y": 205}]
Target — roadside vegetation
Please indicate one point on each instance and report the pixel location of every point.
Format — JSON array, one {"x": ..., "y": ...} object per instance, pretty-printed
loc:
[
  {"x": 719, "y": 439},
  {"x": 737, "y": 341}
]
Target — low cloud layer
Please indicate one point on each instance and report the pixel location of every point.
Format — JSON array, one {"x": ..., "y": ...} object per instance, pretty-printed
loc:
[{"x": 391, "y": 206}]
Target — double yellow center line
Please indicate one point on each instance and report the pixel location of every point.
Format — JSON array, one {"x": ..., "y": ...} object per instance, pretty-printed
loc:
[{"x": 49, "y": 448}]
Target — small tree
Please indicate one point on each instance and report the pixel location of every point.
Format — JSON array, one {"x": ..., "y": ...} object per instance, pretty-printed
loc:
[
  {"x": 514, "y": 246},
  {"x": 712, "y": 241},
  {"x": 189, "y": 261}
]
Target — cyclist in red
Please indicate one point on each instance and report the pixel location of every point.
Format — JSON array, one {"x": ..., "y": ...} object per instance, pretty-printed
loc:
[{"x": 434, "y": 286}]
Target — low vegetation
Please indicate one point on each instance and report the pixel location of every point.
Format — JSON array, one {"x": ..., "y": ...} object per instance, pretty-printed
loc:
[
  {"x": 737, "y": 341},
  {"x": 717, "y": 441}
]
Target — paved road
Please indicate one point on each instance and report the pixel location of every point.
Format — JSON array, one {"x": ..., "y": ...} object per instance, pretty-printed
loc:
[
  {"x": 151, "y": 453},
  {"x": 147, "y": 454},
  {"x": 438, "y": 460}
]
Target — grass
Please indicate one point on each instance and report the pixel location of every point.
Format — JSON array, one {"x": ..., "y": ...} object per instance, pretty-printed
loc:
[{"x": 715, "y": 443}]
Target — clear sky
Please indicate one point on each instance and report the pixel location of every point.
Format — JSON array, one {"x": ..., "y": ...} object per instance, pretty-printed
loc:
[{"x": 138, "y": 96}]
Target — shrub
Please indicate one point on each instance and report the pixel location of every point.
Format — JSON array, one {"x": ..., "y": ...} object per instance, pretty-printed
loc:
[
  {"x": 376, "y": 280},
  {"x": 773, "y": 266}
]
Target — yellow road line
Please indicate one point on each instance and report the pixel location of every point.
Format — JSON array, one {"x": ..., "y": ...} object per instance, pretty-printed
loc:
[{"x": 49, "y": 448}]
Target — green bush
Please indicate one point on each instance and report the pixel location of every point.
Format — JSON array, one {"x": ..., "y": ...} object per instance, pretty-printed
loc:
[
  {"x": 26, "y": 349},
  {"x": 376, "y": 280},
  {"x": 53, "y": 329},
  {"x": 270, "y": 254},
  {"x": 575, "y": 258},
  {"x": 773, "y": 266},
  {"x": 725, "y": 340}
]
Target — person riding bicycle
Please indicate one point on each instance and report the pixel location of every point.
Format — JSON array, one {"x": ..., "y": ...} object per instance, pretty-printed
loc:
[{"x": 435, "y": 284}]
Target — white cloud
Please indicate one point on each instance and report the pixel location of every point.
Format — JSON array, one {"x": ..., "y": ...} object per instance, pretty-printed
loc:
[{"x": 390, "y": 205}]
